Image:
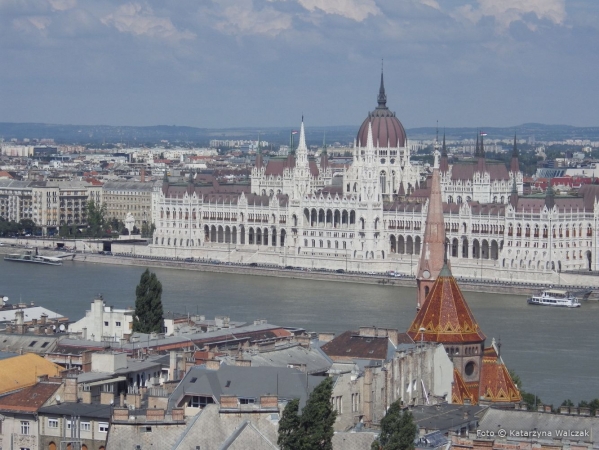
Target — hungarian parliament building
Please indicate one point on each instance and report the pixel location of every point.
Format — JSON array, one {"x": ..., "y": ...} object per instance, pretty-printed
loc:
[{"x": 369, "y": 215}]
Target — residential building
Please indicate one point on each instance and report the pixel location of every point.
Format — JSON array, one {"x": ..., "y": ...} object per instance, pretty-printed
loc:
[
  {"x": 104, "y": 323},
  {"x": 84, "y": 426},
  {"x": 48, "y": 204},
  {"x": 124, "y": 197}
]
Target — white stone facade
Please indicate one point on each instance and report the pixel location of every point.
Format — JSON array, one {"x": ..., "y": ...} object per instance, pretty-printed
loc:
[{"x": 104, "y": 323}]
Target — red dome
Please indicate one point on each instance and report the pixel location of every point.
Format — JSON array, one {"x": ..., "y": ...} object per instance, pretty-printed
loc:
[{"x": 387, "y": 130}]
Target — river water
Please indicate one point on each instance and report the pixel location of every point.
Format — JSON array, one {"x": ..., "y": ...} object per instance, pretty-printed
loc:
[{"x": 553, "y": 350}]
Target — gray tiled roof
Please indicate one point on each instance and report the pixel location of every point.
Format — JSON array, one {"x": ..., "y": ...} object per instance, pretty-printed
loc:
[
  {"x": 247, "y": 382},
  {"x": 84, "y": 410}
]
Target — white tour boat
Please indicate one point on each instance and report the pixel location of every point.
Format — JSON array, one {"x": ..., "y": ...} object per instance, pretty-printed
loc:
[{"x": 555, "y": 297}]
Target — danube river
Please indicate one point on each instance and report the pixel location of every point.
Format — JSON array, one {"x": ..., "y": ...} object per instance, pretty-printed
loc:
[{"x": 554, "y": 350}]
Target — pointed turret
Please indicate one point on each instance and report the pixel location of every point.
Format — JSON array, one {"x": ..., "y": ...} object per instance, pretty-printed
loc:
[
  {"x": 382, "y": 98},
  {"x": 550, "y": 196},
  {"x": 514, "y": 194},
  {"x": 515, "y": 164},
  {"x": 433, "y": 251},
  {"x": 444, "y": 165},
  {"x": 302, "y": 150},
  {"x": 482, "y": 166},
  {"x": 324, "y": 159},
  {"x": 259, "y": 161},
  {"x": 165, "y": 182}
]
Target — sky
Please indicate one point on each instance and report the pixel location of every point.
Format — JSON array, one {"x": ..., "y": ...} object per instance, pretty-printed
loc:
[{"x": 265, "y": 63}]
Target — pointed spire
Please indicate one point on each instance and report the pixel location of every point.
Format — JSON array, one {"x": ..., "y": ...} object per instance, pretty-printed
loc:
[
  {"x": 433, "y": 243},
  {"x": 369, "y": 142},
  {"x": 444, "y": 165},
  {"x": 550, "y": 196},
  {"x": 382, "y": 98},
  {"x": 477, "y": 149},
  {"x": 324, "y": 142},
  {"x": 302, "y": 139},
  {"x": 482, "y": 146},
  {"x": 515, "y": 163},
  {"x": 514, "y": 194}
]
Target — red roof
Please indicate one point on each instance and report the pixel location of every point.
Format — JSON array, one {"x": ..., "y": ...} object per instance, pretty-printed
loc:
[
  {"x": 445, "y": 315},
  {"x": 496, "y": 384},
  {"x": 29, "y": 399}
]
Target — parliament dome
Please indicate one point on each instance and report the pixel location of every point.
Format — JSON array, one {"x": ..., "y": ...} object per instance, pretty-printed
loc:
[{"x": 387, "y": 130}]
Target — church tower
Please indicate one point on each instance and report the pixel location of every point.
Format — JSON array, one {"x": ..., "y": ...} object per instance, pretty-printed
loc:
[
  {"x": 302, "y": 166},
  {"x": 433, "y": 251}
]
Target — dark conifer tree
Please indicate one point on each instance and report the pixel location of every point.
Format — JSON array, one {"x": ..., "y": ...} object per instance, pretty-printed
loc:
[
  {"x": 318, "y": 418},
  {"x": 148, "y": 304},
  {"x": 289, "y": 427}
]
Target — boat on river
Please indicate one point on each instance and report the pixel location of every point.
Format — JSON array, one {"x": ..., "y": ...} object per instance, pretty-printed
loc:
[
  {"x": 29, "y": 256},
  {"x": 555, "y": 297}
]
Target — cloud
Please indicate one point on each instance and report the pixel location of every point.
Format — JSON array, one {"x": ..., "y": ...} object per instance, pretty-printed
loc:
[
  {"x": 32, "y": 23},
  {"x": 507, "y": 11},
  {"x": 138, "y": 20},
  {"x": 241, "y": 18},
  {"x": 62, "y": 5},
  {"x": 431, "y": 3},
  {"x": 357, "y": 10}
]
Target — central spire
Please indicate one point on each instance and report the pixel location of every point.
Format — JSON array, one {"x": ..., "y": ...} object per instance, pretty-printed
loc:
[
  {"x": 382, "y": 98},
  {"x": 432, "y": 256}
]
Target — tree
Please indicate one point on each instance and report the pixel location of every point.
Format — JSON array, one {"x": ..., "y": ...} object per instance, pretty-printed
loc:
[
  {"x": 289, "y": 432},
  {"x": 531, "y": 400},
  {"x": 148, "y": 304},
  {"x": 318, "y": 418},
  {"x": 313, "y": 429},
  {"x": 96, "y": 218},
  {"x": 398, "y": 430}
]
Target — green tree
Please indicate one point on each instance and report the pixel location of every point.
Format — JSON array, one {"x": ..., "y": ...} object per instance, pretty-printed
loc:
[
  {"x": 96, "y": 218},
  {"x": 148, "y": 304},
  {"x": 289, "y": 427},
  {"x": 398, "y": 430},
  {"x": 318, "y": 418}
]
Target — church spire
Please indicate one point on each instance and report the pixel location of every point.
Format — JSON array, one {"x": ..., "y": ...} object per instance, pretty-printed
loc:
[
  {"x": 444, "y": 165},
  {"x": 302, "y": 138},
  {"x": 382, "y": 98},
  {"x": 515, "y": 163},
  {"x": 514, "y": 194},
  {"x": 432, "y": 254}
]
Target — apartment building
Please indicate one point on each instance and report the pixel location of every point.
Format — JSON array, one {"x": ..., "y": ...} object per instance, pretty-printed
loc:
[{"x": 122, "y": 197}]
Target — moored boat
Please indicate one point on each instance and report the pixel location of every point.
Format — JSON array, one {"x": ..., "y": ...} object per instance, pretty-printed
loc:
[
  {"x": 555, "y": 297},
  {"x": 29, "y": 256}
]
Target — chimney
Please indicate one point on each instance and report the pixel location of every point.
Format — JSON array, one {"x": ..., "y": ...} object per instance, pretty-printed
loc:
[
  {"x": 212, "y": 364},
  {"x": 43, "y": 319},
  {"x": 20, "y": 316}
]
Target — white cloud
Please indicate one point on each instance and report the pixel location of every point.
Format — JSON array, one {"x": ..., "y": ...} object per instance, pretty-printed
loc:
[
  {"x": 507, "y": 11},
  {"x": 139, "y": 20},
  {"x": 62, "y": 5},
  {"x": 431, "y": 3},
  {"x": 32, "y": 23},
  {"x": 357, "y": 10},
  {"x": 242, "y": 19}
]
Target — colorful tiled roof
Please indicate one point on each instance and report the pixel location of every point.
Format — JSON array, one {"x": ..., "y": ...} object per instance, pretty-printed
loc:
[
  {"x": 445, "y": 315},
  {"x": 460, "y": 394},
  {"x": 496, "y": 384}
]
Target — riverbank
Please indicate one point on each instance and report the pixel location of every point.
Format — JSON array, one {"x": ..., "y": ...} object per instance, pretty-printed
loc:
[{"x": 469, "y": 285}]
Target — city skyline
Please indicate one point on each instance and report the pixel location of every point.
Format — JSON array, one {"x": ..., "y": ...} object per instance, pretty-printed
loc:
[{"x": 264, "y": 63}]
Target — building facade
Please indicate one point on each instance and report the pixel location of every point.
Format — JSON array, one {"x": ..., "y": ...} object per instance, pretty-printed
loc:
[
  {"x": 48, "y": 204},
  {"x": 369, "y": 216},
  {"x": 123, "y": 197}
]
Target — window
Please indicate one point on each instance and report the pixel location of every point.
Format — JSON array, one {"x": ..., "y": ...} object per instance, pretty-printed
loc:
[
  {"x": 86, "y": 426},
  {"x": 103, "y": 427},
  {"x": 199, "y": 401},
  {"x": 32, "y": 343},
  {"x": 52, "y": 423},
  {"x": 24, "y": 427},
  {"x": 247, "y": 401},
  {"x": 117, "y": 324},
  {"x": 105, "y": 323}
]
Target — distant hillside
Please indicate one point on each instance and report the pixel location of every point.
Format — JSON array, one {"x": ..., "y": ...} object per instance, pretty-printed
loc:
[{"x": 97, "y": 134}]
